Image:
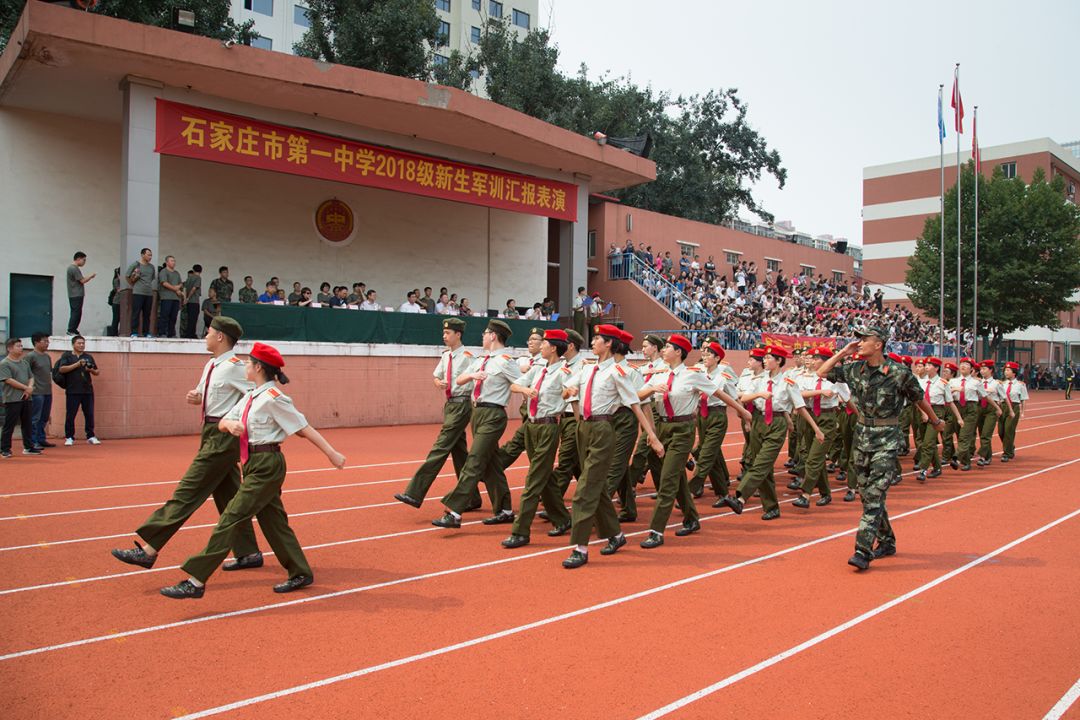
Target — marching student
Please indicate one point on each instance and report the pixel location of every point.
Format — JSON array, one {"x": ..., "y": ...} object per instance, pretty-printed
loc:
[
  {"x": 969, "y": 391},
  {"x": 950, "y": 437},
  {"x": 262, "y": 420},
  {"x": 988, "y": 418},
  {"x": 644, "y": 460},
  {"x": 568, "y": 464},
  {"x": 824, "y": 400},
  {"x": 712, "y": 425},
  {"x": 626, "y": 427},
  {"x": 937, "y": 393},
  {"x": 1015, "y": 393}
]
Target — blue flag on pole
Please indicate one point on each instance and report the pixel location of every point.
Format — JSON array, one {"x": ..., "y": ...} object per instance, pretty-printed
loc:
[{"x": 940, "y": 119}]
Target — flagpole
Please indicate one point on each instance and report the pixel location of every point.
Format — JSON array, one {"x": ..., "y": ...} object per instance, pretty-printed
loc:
[
  {"x": 975, "y": 161},
  {"x": 959, "y": 241},
  {"x": 941, "y": 254}
]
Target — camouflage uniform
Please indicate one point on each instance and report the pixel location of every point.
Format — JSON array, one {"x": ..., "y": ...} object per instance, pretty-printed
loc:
[{"x": 880, "y": 394}]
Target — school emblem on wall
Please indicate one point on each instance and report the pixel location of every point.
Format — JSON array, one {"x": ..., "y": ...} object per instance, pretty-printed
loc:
[{"x": 334, "y": 222}]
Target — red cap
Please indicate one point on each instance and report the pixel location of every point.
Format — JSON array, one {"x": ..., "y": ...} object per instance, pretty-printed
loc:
[
  {"x": 757, "y": 353},
  {"x": 715, "y": 349},
  {"x": 609, "y": 331},
  {"x": 932, "y": 361},
  {"x": 896, "y": 358},
  {"x": 1012, "y": 365},
  {"x": 596, "y": 294},
  {"x": 556, "y": 334},
  {"x": 626, "y": 337},
  {"x": 952, "y": 366},
  {"x": 822, "y": 352},
  {"x": 681, "y": 342},
  {"x": 969, "y": 361},
  {"x": 906, "y": 359},
  {"x": 987, "y": 363},
  {"x": 267, "y": 354},
  {"x": 778, "y": 352}
]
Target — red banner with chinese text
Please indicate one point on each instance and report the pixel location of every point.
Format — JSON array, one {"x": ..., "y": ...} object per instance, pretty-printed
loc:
[
  {"x": 202, "y": 134},
  {"x": 797, "y": 342}
]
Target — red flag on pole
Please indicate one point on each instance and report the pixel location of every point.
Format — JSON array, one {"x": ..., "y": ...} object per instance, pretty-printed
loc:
[
  {"x": 975, "y": 154},
  {"x": 957, "y": 103}
]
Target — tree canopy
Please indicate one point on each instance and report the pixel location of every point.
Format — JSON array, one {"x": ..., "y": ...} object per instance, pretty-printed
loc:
[{"x": 1029, "y": 254}]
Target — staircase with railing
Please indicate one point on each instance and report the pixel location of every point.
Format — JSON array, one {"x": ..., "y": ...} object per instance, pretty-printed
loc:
[{"x": 627, "y": 266}]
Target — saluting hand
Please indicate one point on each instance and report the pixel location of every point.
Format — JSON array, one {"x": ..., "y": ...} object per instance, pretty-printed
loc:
[{"x": 851, "y": 348}]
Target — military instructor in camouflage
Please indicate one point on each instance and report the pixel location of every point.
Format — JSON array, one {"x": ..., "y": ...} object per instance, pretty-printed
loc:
[{"x": 880, "y": 388}]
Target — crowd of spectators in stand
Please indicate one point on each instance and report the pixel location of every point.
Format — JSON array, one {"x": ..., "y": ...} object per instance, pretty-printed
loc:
[{"x": 745, "y": 302}]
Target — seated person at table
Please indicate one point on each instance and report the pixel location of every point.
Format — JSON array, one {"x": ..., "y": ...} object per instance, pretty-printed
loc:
[
  {"x": 370, "y": 303},
  {"x": 411, "y": 305},
  {"x": 270, "y": 295},
  {"x": 324, "y": 294},
  {"x": 339, "y": 296}
]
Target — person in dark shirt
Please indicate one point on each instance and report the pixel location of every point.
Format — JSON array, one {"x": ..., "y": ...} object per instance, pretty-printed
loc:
[
  {"x": 222, "y": 285},
  {"x": 79, "y": 368},
  {"x": 339, "y": 297}
]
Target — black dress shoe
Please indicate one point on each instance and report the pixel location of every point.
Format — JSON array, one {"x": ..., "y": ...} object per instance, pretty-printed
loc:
[
  {"x": 831, "y": 467},
  {"x": 794, "y": 485},
  {"x": 735, "y": 504},
  {"x": 720, "y": 503},
  {"x": 771, "y": 514},
  {"x": 576, "y": 560},
  {"x": 954, "y": 464},
  {"x": 859, "y": 561},
  {"x": 625, "y": 517},
  {"x": 965, "y": 467},
  {"x": 801, "y": 502},
  {"x": 501, "y": 518},
  {"x": 254, "y": 560},
  {"x": 543, "y": 515},
  {"x": 137, "y": 556},
  {"x": 407, "y": 499},
  {"x": 980, "y": 462},
  {"x": 653, "y": 541},
  {"x": 884, "y": 551},
  {"x": 789, "y": 464},
  {"x": 849, "y": 496},
  {"x": 921, "y": 477},
  {"x": 447, "y": 521},
  {"x": 1005, "y": 459},
  {"x": 688, "y": 529},
  {"x": 183, "y": 590},
  {"x": 294, "y": 583},
  {"x": 559, "y": 530},
  {"x": 613, "y": 545},
  {"x": 823, "y": 501},
  {"x": 652, "y": 496},
  {"x": 515, "y": 541},
  {"x": 936, "y": 472},
  {"x": 841, "y": 476},
  {"x": 697, "y": 494},
  {"x": 690, "y": 464}
]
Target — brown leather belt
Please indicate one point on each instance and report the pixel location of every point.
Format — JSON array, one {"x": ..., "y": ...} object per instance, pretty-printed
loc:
[
  {"x": 880, "y": 422},
  {"x": 550, "y": 420},
  {"x": 598, "y": 418},
  {"x": 458, "y": 399},
  {"x": 676, "y": 418},
  {"x": 211, "y": 419},
  {"x": 569, "y": 415},
  {"x": 489, "y": 405},
  {"x": 267, "y": 448}
]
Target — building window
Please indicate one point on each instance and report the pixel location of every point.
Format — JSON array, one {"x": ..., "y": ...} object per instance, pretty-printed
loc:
[
  {"x": 837, "y": 277},
  {"x": 476, "y": 5},
  {"x": 444, "y": 33},
  {"x": 300, "y": 16},
  {"x": 263, "y": 7},
  {"x": 1008, "y": 169},
  {"x": 687, "y": 250},
  {"x": 263, "y": 43},
  {"x": 771, "y": 264},
  {"x": 807, "y": 270},
  {"x": 731, "y": 258},
  {"x": 474, "y": 34},
  {"x": 521, "y": 19},
  {"x": 441, "y": 60},
  {"x": 443, "y": 5},
  {"x": 495, "y": 9},
  {"x": 592, "y": 243}
]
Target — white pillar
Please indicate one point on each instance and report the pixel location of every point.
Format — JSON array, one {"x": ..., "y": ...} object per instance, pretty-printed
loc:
[{"x": 140, "y": 196}]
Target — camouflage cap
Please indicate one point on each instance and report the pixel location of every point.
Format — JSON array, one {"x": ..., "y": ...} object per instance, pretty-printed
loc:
[
  {"x": 228, "y": 326},
  {"x": 456, "y": 324},
  {"x": 575, "y": 337},
  {"x": 872, "y": 330}
]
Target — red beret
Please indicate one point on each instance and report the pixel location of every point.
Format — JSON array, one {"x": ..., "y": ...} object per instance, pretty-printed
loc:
[
  {"x": 932, "y": 361},
  {"x": 969, "y": 361},
  {"x": 822, "y": 352},
  {"x": 952, "y": 366},
  {"x": 778, "y": 352},
  {"x": 987, "y": 363},
  {"x": 626, "y": 337},
  {"x": 556, "y": 334},
  {"x": 715, "y": 349},
  {"x": 757, "y": 353},
  {"x": 268, "y": 355},
  {"x": 680, "y": 342},
  {"x": 1012, "y": 365},
  {"x": 906, "y": 359},
  {"x": 896, "y": 358},
  {"x": 609, "y": 331}
]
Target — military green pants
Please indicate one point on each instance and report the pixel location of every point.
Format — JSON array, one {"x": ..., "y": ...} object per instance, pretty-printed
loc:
[
  {"x": 918, "y": 432},
  {"x": 806, "y": 439},
  {"x": 753, "y": 441},
  {"x": 837, "y": 448},
  {"x": 569, "y": 464},
  {"x": 259, "y": 497},
  {"x": 644, "y": 460},
  {"x": 793, "y": 442},
  {"x": 928, "y": 456},
  {"x": 987, "y": 425},
  {"x": 759, "y": 476},
  {"x": 450, "y": 442},
  {"x": 541, "y": 442},
  {"x": 626, "y": 435},
  {"x": 215, "y": 470},
  {"x": 970, "y": 415},
  {"x": 950, "y": 438},
  {"x": 744, "y": 460},
  {"x": 816, "y": 474},
  {"x": 1007, "y": 433},
  {"x": 711, "y": 463},
  {"x": 678, "y": 440},
  {"x": 874, "y": 469},
  {"x": 592, "y": 503},
  {"x": 905, "y": 428},
  {"x": 488, "y": 425}
]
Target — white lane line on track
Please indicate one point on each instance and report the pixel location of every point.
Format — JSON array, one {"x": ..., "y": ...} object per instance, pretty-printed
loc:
[
  {"x": 816, "y": 640},
  {"x": 1062, "y": 706},
  {"x": 506, "y": 560}
]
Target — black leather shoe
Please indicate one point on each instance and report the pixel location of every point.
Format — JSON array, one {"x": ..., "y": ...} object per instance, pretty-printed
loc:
[
  {"x": 771, "y": 514},
  {"x": 734, "y": 504},
  {"x": 688, "y": 529},
  {"x": 720, "y": 502},
  {"x": 823, "y": 501},
  {"x": 1004, "y": 459},
  {"x": 447, "y": 521},
  {"x": 613, "y": 545},
  {"x": 954, "y": 464},
  {"x": 801, "y": 502},
  {"x": 625, "y": 517},
  {"x": 921, "y": 477},
  {"x": 859, "y": 561},
  {"x": 576, "y": 560},
  {"x": 183, "y": 590},
  {"x": 294, "y": 583},
  {"x": 137, "y": 556},
  {"x": 794, "y": 485},
  {"x": 652, "y": 496},
  {"x": 841, "y": 476},
  {"x": 936, "y": 472},
  {"x": 690, "y": 464},
  {"x": 884, "y": 551},
  {"x": 849, "y": 496},
  {"x": 980, "y": 462},
  {"x": 407, "y": 499},
  {"x": 515, "y": 541},
  {"x": 789, "y": 464},
  {"x": 965, "y": 467},
  {"x": 653, "y": 541},
  {"x": 697, "y": 494},
  {"x": 831, "y": 467},
  {"x": 245, "y": 562},
  {"x": 501, "y": 518},
  {"x": 559, "y": 530},
  {"x": 543, "y": 515},
  {"x": 896, "y": 479}
]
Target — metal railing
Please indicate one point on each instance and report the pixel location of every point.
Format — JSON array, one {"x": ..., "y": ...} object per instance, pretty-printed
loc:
[{"x": 627, "y": 266}]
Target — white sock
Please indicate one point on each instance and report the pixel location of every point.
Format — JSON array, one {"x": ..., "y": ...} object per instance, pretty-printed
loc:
[
  {"x": 583, "y": 549},
  {"x": 456, "y": 516},
  {"x": 195, "y": 582}
]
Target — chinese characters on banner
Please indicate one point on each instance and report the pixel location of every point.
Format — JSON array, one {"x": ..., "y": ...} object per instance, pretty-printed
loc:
[
  {"x": 202, "y": 134},
  {"x": 797, "y": 342}
]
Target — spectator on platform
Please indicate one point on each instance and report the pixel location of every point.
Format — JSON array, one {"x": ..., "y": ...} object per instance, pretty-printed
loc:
[
  {"x": 222, "y": 285},
  {"x": 79, "y": 368},
  {"x": 879, "y": 298},
  {"x": 305, "y": 298},
  {"x": 140, "y": 276},
  {"x": 270, "y": 296},
  {"x": 340, "y": 297},
  {"x": 534, "y": 313},
  {"x": 548, "y": 307},
  {"x": 192, "y": 301},
  {"x": 296, "y": 295},
  {"x": 248, "y": 293},
  {"x": 357, "y": 295},
  {"x": 325, "y": 295},
  {"x": 464, "y": 308},
  {"x": 614, "y": 250},
  {"x": 41, "y": 399},
  {"x": 442, "y": 306},
  {"x": 170, "y": 295},
  {"x": 17, "y": 381},
  {"x": 510, "y": 311},
  {"x": 411, "y": 305},
  {"x": 427, "y": 302},
  {"x": 114, "y": 304},
  {"x": 211, "y": 308},
  {"x": 76, "y": 291},
  {"x": 370, "y": 302},
  {"x": 454, "y": 304},
  {"x": 281, "y": 296}
]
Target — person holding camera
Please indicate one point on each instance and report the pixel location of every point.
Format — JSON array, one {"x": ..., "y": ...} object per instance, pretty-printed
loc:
[{"x": 78, "y": 367}]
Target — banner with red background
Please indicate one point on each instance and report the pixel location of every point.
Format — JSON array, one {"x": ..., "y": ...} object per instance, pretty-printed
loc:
[
  {"x": 797, "y": 342},
  {"x": 202, "y": 134}
]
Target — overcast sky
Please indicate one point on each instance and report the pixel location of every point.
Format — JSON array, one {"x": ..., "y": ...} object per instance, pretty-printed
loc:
[{"x": 835, "y": 86}]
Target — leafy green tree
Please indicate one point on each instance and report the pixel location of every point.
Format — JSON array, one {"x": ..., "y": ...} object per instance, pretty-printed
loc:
[
  {"x": 211, "y": 16},
  {"x": 1029, "y": 254}
]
